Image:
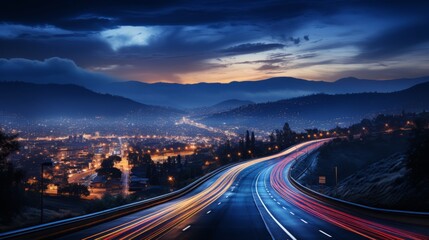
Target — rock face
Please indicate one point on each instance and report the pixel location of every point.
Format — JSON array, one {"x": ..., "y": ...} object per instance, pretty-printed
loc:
[{"x": 384, "y": 184}]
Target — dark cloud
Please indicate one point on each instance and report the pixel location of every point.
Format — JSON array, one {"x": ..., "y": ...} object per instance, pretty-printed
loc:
[
  {"x": 52, "y": 70},
  {"x": 84, "y": 51},
  {"x": 306, "y": 55},
  {"x": 395, "y": 41},
  {"x": 268, "y": 67},
  {"x": 96, "y": 15},
  {"x": 252, "y": 48},
  {"x": 295, "y": 40}
]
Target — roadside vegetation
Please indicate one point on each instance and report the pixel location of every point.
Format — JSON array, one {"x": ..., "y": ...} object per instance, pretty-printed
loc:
[{"x": 385, "y": 166}]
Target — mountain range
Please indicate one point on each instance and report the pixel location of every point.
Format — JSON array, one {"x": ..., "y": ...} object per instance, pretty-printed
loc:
[
  {"x": 273, "y": 89},
  {"x": 201, "y": 95},
  {"x": 323, "y": 110},
  {"x": 44, "y": 101},
  {"x": 31, "y": 100}
]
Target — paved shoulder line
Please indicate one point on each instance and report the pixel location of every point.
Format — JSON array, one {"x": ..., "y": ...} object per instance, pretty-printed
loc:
[{"x": 268, "y": 211}]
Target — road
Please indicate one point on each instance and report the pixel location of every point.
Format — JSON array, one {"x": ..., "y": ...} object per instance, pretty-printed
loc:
[{"x": 251, "y": 200}]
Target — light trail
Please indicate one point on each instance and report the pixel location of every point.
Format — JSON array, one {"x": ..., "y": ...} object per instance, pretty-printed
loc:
[
  {"x": 366, "y": 228},
  {"x": 158, "y": 223}
]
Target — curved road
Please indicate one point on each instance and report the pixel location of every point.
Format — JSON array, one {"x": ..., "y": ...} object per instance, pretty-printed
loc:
[{"x": 251, "y": 200}]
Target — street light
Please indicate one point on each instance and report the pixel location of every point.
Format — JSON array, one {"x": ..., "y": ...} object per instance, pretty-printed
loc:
[
  {"x": 171, "y": 181},
  {"x": 45, "y": 164}
]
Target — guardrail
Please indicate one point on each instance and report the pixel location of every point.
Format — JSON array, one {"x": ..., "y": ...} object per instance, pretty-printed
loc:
[
  {"x": 58, "y": 228},
  {"x": 410, "y": 217}
]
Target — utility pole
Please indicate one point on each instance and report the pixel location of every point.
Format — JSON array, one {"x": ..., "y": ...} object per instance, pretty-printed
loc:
[{"x": 336, "y": 176}]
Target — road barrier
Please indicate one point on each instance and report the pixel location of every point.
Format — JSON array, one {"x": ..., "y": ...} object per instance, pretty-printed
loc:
[{"x": 409, "y": 217}]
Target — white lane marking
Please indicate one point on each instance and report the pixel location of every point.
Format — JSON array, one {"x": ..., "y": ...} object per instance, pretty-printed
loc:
[
  {"x": 269, "y": 213},
  {"x": 209, "y": 211},
  {"x": 325, "y": 233},
  {"x": 292, "y": 213},
  {"x": 227, "y": 196},
  {"x": 284, "y": 208},
  {"x": 278, "y": 203},
  {"x": 219, "y": 203},
  {"x": 186, "y": 228},
  {"x": 302, "y": 220}
]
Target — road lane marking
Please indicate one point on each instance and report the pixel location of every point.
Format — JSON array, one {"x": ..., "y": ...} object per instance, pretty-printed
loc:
[
  {"x": 278, "y": 203},
  {"x": 219, "y": 203},
  {"x": 209, "y": 211},
  {"x": 302, "y": 220},
  {"x": 292, "y": 213},
  {"x": 187, "y": 227},
  {"x": 325, "y": 233},
  {"x": 284, "y": 208},
  {"x": 269, "y": 213}
]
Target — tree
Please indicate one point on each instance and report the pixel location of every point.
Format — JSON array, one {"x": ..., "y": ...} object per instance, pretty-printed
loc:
[
  {"x": 272, "y": 138},
  {"x": 110, "y": 161},
  {"x": 11, "y": 189},
  {"x": 247, "y": 142},
  {"x": 179, "y": 160},
  {"x": 252, "y": 141},
  {"x": 107, "y": 167},
  {"x": 74, "y": 190}
]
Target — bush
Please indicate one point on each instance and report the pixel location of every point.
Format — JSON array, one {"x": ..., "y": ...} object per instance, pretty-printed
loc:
[{"x": 74, "y": 190}]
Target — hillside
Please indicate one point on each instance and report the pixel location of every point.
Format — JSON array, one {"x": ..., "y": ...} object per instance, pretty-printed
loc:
[
  {"x": 54, "y": 100},
  {"x": 384, "y": 184},
  {"x": 273, "y": 89},
  {"x": 220, "y": 107},
  {"x": 325, "y": 110}
]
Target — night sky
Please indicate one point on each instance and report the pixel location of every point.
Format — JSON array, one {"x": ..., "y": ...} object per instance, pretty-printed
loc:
[{"x": 214, "y": 41}]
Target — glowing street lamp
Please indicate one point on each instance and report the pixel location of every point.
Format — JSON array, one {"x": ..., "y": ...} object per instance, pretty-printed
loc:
[{"x": 171, "y": 181}]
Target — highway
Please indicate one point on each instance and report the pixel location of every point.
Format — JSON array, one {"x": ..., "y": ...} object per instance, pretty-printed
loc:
[{"x": 250, "y": 200}]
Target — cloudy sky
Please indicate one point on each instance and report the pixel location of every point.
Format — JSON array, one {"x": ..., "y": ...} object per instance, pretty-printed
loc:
[{"x": 216, "y": 41}]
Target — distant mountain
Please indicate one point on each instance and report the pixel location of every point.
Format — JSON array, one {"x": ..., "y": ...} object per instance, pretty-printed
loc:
[
  {"x": 220, "y": 107},
  {"x": 54, "y": 100},
  {"x": 273, "y": 89},
  {"x": 186, "y": 96},
  {"x": 323, "y": 110}
]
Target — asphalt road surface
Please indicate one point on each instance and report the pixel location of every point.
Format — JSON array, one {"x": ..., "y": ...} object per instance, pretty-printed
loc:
[{"x": 251, "y": 200}]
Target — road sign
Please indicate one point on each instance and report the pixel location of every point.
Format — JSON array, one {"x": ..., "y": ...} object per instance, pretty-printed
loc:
[{"x": 322, "y": 180}]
